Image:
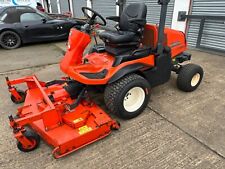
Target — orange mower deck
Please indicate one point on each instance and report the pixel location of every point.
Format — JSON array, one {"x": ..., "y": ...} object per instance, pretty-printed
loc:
[{"x": 46, "y": 110}]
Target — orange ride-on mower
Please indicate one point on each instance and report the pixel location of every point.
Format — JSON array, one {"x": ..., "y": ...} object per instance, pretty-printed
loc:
[{"x": 134, "y": 58}]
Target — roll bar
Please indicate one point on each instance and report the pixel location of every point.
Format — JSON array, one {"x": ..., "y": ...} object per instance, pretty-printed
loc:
[{"x": 162, "y": 23}]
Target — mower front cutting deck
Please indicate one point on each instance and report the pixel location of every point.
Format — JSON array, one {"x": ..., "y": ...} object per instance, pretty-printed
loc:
[{"x": 47, "y": 110}]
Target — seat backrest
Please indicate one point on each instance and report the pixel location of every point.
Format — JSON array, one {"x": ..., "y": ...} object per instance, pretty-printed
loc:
[{"x": 134, "y": 10}]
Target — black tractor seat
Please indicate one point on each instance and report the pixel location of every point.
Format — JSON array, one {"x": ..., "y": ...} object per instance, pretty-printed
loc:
[
  {"x": 129, "y": 32},
  {"x": 119, "y": 37}
]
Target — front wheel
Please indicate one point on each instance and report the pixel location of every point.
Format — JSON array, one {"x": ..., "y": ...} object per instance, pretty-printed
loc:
[
  {"x": 127, "y": 97},
  {"x": 33, "y": 137},
  {"x": 23, "y": 97},
  {"x": 189, "y": 77},
  {"x": 10, "y": 40}
]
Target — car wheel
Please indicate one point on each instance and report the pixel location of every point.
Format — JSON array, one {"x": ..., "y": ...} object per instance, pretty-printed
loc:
[
  {"x": 127, "y": 97},
  {"x": 10, "y": 40}
]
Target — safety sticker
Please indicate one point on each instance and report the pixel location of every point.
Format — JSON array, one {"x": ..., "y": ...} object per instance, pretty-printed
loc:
[
  {"x": 84, "y": 129},
  {"x": 78, "y": 120}
]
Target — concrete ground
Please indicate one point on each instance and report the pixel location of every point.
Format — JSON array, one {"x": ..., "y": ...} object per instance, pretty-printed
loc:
[{"x": 177, "y": 130}]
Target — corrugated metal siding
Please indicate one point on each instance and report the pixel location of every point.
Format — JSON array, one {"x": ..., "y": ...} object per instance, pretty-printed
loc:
[
  {"x": 214, "y": 31},
  {"x": 77, "y": 5},
  {"x": 54, "y": 7},
  {"x": 64, "y": 6},
  {"x": 105, "y": 8},
  {"x": 154, "y": 9}
]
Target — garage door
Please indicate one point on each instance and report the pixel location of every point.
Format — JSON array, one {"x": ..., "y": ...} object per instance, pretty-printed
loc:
[
  {"x": 154, "y": 8},
  {"x": 105, "y": 7},
  {"x": 77, "y": 5},
  {"x": 64, "y": 6},
  {"x": 214, "y": 31},
  {"x": 54, "y": 6}
]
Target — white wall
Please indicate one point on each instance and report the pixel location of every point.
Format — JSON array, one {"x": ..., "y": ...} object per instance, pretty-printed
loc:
[
  {"x": 117, "y": 9},
  {"x": 180, "y": 5},
  {"x": 89, "y": 5},
  {"x": 58, "y": 6}
]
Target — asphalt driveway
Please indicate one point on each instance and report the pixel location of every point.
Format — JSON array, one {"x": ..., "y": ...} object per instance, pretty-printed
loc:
[{"x": 29, "y": 56}]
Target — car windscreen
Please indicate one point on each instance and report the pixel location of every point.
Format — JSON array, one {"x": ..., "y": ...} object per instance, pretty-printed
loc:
[
  {"x": 3, "y": 14},
  {"x": 1, "y": 10},
  {"x": 44, "y": 15},
  {"x": 13, "y": 14}
]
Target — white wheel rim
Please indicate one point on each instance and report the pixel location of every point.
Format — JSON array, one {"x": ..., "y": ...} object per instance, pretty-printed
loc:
[
  {"x": 134, "y": 99},
  {"x": 195, "y": 79}
]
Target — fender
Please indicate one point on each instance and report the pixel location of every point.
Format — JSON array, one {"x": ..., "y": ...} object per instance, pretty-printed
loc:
[{"x": 126, "y": 70}]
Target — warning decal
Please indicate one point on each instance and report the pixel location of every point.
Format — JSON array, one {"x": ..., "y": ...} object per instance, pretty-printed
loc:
[
  {"x": 84, "y": 129},
  {"x": 78, "y": 120}
]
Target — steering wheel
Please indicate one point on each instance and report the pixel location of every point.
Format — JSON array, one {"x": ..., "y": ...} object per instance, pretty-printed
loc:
[{"x": 92, "y": 19}]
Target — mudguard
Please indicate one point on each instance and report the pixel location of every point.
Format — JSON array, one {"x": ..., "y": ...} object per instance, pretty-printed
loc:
[{"x": 126, "y": 70}]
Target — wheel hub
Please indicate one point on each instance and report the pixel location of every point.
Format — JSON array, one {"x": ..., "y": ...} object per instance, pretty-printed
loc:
[
  {"x": 9, "y": 40},
  {"x": 134, "y": 99},
  {"x": 195, "y": 79}
]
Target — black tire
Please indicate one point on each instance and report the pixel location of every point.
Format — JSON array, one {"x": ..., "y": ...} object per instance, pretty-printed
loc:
[
  {"x": 185, "y": 79},
  {"x": 32, "y": 136},
  {"x": 116, "y": 92},
  {"x": 10, "y": 40},
  {"x": 23, "y": 96}
]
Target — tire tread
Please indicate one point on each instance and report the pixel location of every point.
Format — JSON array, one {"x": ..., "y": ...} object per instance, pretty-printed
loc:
[
  {"x": 114, "y": 89},
  {"x": 185, "y": 75}
]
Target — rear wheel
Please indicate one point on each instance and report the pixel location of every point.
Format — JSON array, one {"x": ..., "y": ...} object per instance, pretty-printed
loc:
[
  {"x": 189, "y": 77},
  {"x": 127, "y": 97},
  {"x": 10, "y": 40}
]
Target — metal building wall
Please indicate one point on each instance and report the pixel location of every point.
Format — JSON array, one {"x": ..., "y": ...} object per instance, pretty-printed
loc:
[
  {"x": 54, "y": 6},
  {"x": 105, "y": 7},
  {"x": 153, "y": 9},
  {"x": 214, "y": 31},
  {"x": 64, "y": 6},
  {"x": 77, "y": 5}
]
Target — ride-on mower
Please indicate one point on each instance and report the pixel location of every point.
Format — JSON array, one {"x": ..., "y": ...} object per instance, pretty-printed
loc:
[{"x": 134, "y": 58}]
